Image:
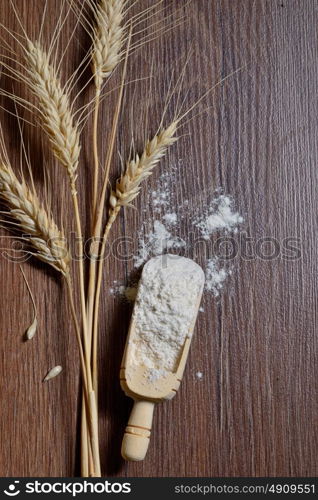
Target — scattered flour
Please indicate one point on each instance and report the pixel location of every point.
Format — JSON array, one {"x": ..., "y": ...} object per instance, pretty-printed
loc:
[
  {"x": 157, "y": 242},
  {"x": 164, "y": 311},
  {"x": 159, "y": 237},
  {"x": 219, "y": 216},
  {"x": 117, "y": 289},
  {"x": 215, "y": 276},
  {"x": 161, "y": 198},
  {"x": 170, "y": 219}
]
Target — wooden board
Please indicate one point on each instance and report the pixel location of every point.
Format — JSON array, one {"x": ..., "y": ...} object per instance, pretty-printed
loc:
[{"x": 254, "y": 412}]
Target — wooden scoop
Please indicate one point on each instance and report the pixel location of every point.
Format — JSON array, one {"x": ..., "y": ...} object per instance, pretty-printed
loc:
[{"x": 134, "y": 378}]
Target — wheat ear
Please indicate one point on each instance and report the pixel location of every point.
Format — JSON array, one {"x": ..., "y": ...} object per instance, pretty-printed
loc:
[
  {"x": 128, "y": 185},
  {"x": 37, "y": 226},
  {"x": 55, "y": 108},
  {"x": 108, "y": 38}
]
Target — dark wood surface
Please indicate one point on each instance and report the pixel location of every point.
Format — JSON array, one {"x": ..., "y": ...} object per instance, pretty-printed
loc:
[{"x": 254, "y": 413}]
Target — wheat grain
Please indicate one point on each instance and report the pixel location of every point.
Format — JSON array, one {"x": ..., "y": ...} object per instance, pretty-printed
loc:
[
  {"x": 54, "y": 372},
  {"x": 128, "y": 185},
  {"x": 108, "y": 38},
  {"x": 31, "y": 331},
  {"x": 37, "y": 226},
  {"x": 56, "y": 111}
]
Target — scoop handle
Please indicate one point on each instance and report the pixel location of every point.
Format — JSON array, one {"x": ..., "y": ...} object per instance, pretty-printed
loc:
[{"x": 137, "y": 434}]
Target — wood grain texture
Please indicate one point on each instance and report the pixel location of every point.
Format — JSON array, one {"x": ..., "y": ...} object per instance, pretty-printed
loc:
[{"x": 254, "y": 412}]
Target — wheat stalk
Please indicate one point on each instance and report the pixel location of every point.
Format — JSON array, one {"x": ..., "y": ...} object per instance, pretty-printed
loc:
[
  {"x": 58, "y": 123},
  {"x": 108, "y": 38},
  {"x": 37, "y": 226},
  {"x": 54, "y": 105}
]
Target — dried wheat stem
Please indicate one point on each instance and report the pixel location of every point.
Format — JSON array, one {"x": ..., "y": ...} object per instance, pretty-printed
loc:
[
  {"x": 97, "y": 218},
  {"x": 91, "y": 415},
  {"x": 87, "y": 465},
  {"x": 37, "y": 226},
  {"x": 81, "y": 266},
  {"x": 106, "y": 53},
  {"x": 78, "y": 332},
  {"x": 108, "y": 38},
  {"x": 90, "y": 462},
  {"x": 84, "y": 440},
  {"x": 99, "y": 214},
  {"x": 95, "y": 154},
  {"x": 97, "y": 300}
]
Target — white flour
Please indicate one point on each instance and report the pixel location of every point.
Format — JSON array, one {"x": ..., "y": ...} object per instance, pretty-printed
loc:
[
  {"x": 157, "y": 242},
  {"x": 215, "y": 276},
  {"x": 165, "y": 308},
  {"x": 219, "y": 215},
  {"x": 117, "y": 289},
  {"x": 161, "y": 235},
  {"x": 170, "y": 219},
  {"x": 161, "y": 198}
]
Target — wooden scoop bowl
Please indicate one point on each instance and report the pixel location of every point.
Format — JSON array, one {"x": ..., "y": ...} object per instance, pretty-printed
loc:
[{"x": 146, "y": 393}]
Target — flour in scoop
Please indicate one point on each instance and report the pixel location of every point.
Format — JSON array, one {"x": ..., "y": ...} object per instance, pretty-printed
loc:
[
  {"x": 165, "y": 309},
  {"x": 157, "y": 242}
]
